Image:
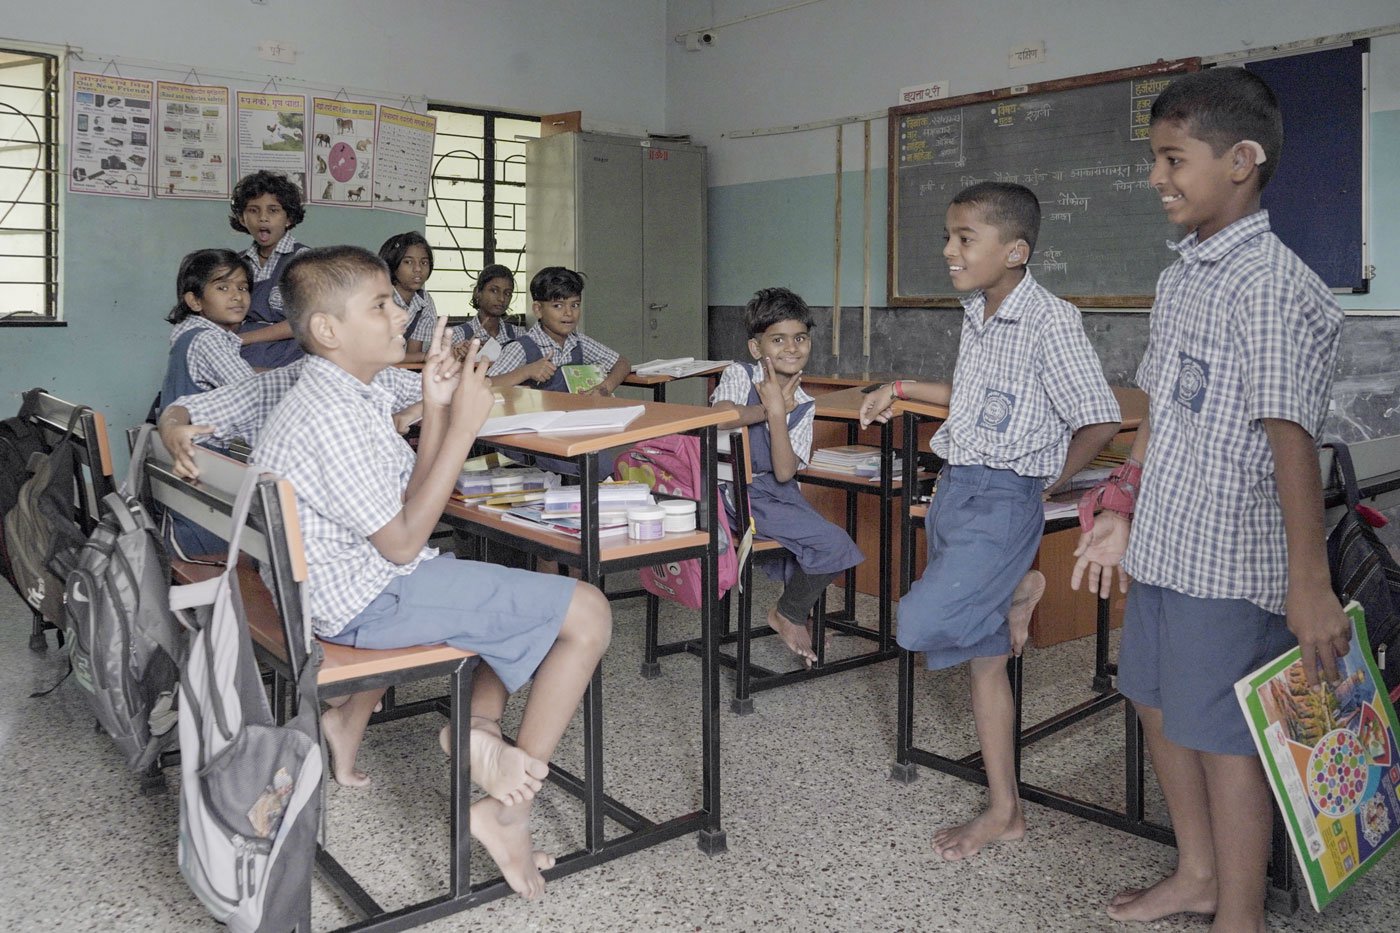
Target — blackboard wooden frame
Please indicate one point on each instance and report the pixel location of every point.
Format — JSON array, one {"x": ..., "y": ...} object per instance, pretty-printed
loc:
[{"x": 896, "y": 115}]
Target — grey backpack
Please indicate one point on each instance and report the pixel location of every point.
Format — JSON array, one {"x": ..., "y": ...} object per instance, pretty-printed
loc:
[
  {"x": 249, "y": 789},
  {"x": 126, "y": 645}
]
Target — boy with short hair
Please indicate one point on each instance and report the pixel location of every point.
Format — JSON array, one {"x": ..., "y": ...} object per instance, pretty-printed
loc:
[
  {"x": 769, "y": 398},
  {"x": 267, "y": 205},
  {"x": 1226, "y": 548},
  {"x": 1028, "y": 408},
  {"x": 534, "y": 360},
  {"x": 367, "y": 506}
]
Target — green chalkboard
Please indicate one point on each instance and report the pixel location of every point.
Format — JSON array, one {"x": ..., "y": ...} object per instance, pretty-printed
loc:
[{"x": 1079, "y": 143}]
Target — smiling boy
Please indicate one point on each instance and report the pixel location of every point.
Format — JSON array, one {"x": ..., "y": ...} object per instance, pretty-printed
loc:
[
  {"x": 1028, "y": 408},
  {"x": 1225, "y": 543}
]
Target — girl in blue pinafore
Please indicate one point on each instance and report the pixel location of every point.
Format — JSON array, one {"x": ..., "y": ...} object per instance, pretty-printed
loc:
[
  {"x": 267, "y": 206},
  {"x": 769, "y": 399}
]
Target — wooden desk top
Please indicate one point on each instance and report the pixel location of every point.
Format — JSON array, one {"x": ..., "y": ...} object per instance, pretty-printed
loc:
[
  {"x": 652, "y": 379},
  {"x": 843, "y": 403},
  {"x": 1132, "y": 403},
  {"x": 659, "y": 419},
  {"x": 851, "y": 379}
]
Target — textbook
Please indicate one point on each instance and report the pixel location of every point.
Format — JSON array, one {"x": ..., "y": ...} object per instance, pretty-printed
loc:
[
  {"x": 609, "y": 523},
  {"x": 1332, "y": 760},
  {"x": 580, "y": 421},
  {"x": 580, "y": 377},
  {"x": 678, "y": 368}
]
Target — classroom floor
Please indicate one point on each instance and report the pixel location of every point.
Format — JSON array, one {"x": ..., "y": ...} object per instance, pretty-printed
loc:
[{"x": 819, "y": 838}]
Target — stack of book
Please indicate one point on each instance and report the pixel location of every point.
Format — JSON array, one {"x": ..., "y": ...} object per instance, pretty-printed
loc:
[
  {"x": 610, "y": 524},
  {"x": 854, "y": 459},
  {"x": 501, "y": 485},
  {"x": 678, "y": 368}
]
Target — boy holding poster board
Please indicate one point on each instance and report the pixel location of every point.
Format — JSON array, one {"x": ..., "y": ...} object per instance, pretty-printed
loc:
[{"x": 1223, "y": 491}]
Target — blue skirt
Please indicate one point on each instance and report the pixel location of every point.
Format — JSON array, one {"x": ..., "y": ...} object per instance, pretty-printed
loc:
[{"x": 984, "y": 527}]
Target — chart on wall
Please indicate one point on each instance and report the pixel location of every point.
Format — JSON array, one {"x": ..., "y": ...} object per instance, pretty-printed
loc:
[
  {"x": 342, "y": 155},
  {"x": 110, "y": 143},
  {"x": 272, "y": 135},
  {"x": 192, "y": 142},
  {"x": 403, "y": 160}
]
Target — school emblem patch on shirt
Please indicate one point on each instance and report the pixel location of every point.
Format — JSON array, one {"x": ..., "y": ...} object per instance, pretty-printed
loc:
[
  {"x": 1192, "y": 379},
  {"x": 997, "y": 407}
]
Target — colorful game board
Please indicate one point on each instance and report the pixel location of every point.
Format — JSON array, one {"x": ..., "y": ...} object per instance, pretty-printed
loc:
[{"x": 1331, "y": 756}]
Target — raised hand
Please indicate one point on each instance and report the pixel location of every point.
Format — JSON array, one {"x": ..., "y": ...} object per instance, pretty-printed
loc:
[
  {"x": 773, "y": 396},
  {"x": 473, "y": 398},
  {"x": 790, "y": 393},
  {"x": 441, "y": 369}
]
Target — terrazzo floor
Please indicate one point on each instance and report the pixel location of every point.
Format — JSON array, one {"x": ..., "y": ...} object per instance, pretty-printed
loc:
[{"x": 819, "y": 838}]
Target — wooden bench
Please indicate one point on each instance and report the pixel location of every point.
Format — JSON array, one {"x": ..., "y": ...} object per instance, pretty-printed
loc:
[
  {"x": 92, "y": 471},
  {"x": 272, "y": 538}
]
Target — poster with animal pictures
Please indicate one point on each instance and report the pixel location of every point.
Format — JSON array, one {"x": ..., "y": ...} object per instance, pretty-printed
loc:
[
  {"x": 110, "y": 145},
  {"x": 272, "y": 135},
  {"x": 192, "y": 142},
  {"x": 403, "y": 160},
  {"x": 342, "y": 155}
]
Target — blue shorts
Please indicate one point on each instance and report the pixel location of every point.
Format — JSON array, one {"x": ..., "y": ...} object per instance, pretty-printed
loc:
[
  {"x": 509, "y": 617},
  {"x": 1182, "y": 655},
  {"x": 984, "y": 527}
]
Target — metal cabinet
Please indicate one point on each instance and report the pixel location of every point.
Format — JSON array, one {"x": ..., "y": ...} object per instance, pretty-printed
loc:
[{"x": 629, "y": 214}]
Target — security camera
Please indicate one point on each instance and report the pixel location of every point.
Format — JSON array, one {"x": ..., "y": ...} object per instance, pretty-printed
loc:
[{"x": 707, "y": 38}]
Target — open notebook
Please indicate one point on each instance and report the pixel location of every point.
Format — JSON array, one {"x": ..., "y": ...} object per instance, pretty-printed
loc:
[{"x": 581, "y": 421}]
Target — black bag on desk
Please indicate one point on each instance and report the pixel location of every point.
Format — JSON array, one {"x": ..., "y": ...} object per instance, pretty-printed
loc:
[{"x": 1363, "y": 570}]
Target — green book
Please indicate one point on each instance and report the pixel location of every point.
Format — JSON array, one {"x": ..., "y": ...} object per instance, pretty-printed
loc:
[
  {"x": 1332, "y": 760},
  {"x": 580, "y": 377}
]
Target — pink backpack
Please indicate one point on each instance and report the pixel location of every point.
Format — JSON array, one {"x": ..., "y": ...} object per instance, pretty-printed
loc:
[{"x": 671, "y": 465}]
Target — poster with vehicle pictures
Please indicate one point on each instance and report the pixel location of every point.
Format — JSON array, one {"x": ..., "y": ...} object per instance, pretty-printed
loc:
[
  {"x": 403, "y": 160},
  {"x": 110, "y": 144},
  {"x": 342, "y": 152},
  {"x": 272, "y": 135},
  {"x": 192, "y": 144}
]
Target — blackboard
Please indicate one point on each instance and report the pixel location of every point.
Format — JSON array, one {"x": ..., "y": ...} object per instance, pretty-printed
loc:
[{"x": 1080, "y": 144}]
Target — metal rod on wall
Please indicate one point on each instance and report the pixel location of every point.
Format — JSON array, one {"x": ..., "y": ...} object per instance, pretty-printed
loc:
[
  {"x": 836, "y": 285},
  {"x": 865, "y": 310}
]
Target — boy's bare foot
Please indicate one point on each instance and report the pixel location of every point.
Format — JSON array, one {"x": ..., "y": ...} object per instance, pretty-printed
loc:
[
  {"x": 1174, "y": 894},
  {"x": 827, "y": 637},
  {"x": 965, "y": 841},
  {"x": 795, "y": 636},
  {"x": 1023, "y": 602},
  {"x": 499, "y": 768},
  {"x": 505, "y": 833},
  {"x": 343, "y": 743}
]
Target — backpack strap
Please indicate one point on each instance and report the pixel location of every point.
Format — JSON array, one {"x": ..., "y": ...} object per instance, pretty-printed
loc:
[
  {"x": 136, "y": 469},
  {"x": 1343, "y": 473}
]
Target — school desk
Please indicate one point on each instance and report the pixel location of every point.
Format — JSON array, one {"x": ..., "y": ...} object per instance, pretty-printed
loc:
[
  {"x": 658, "y": 382},
  {"x": 595, "y": 559}
]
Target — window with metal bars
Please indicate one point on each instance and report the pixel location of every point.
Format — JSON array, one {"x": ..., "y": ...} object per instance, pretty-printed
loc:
[
  {"x": 476, "y": 210},
  {"x": 28, "y": 187}
]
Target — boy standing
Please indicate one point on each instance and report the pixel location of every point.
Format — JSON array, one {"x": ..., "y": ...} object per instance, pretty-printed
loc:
[
  {"x": 769, "y": 398},
  {"x": 534, "y": 360},
  {"x": 1028, "y": 408},
  {"x": 367, "y": 506},
  {"x": 1226, "y": 545}
]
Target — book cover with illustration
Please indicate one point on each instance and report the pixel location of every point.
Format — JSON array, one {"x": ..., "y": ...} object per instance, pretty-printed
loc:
[
  {"x": 580, "y": 377},
  {"x": 1332, "y": 759}
]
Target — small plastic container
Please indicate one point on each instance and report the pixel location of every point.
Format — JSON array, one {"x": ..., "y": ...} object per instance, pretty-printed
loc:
[
  {"x": 646, "y": 523},
  {"x": 680, "y": 515},
  {"x": 507, "y": 484},
  {"x": 474, "y": 483}
]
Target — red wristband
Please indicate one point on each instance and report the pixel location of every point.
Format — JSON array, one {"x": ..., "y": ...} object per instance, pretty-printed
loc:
[{"x": 1118, "y": 494}]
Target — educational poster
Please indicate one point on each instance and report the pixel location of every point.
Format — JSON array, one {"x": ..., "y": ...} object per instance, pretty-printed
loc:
[
  {"x": 272, "y": 135},
  {"x": 109, "y": 150},
  {"x": 404, "y": 160},
  {"x": 192, "y": 145},
  {"x": 1331, "y": 757},
  {"x": 342, "y": 155}
]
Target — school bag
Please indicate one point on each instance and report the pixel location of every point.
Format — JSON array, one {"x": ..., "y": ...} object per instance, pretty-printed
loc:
[
  {"x": 126, "y": 645},
  {"x": 249, "y": 789},
  {"x": 1363, "y": 570},
  {"x": 42, "y": 535},
  {"x": 19, "y": 440},
  {"x": 671, "y": 465}
]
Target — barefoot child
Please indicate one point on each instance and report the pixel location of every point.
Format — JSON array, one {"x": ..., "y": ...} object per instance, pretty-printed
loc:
[
  {"x": 1028, "y": 408},
  {"x": 1225, "y": 544},
  {"x": 769, "y": 399},
  {"x": 367, "y": 506}
]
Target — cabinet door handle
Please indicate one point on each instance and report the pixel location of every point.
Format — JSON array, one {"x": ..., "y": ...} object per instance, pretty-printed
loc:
[{"x": 658, "y": 307}]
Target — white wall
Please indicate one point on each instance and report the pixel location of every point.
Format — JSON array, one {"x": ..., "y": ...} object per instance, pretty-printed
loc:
[{"x": 843, "y": 57}]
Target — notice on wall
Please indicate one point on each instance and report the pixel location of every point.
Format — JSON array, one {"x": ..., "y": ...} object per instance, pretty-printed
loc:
[
  {"x": 192, "y": 141},
  {"x": 342, "y": 154},
  {"x": 110, "y": 145},
  {"x": 403, "y": 160},
  {"x": 272, "y": 135}
]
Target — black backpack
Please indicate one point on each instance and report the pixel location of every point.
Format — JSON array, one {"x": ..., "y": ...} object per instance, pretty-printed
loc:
[
  {"x": 42, "y": 535},
  {"x": 19, "y": 441},
  {"x": 127, "y": 645}
]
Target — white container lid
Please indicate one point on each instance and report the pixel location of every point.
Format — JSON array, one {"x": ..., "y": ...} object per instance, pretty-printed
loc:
[
  {"x": 678, "y": 506},
  {"x": 646, "y": 513}
]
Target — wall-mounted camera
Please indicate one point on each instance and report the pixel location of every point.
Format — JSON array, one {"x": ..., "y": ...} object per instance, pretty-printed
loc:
[{"x": 695, "y": 41}]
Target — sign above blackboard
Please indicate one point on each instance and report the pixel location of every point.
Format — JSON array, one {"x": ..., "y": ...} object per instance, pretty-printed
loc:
[{"x": 1079, "y": 143}]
